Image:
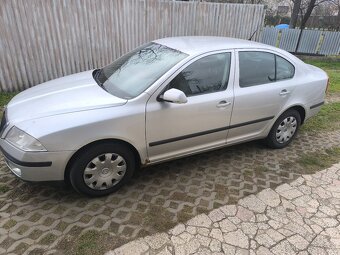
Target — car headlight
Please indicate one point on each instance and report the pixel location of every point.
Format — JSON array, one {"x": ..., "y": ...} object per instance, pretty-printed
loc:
[{"x": 23, "y": 141}]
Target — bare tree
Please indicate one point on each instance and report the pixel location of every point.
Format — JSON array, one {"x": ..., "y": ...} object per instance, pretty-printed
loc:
[
  {"x": 305, "y": 9},
  {"x": 295, "y": 13},
  {"x": 336, "y": 4}
]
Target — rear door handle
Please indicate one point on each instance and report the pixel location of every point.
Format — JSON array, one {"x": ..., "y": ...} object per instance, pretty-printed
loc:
[
  {"x": 223, "y": 103},
  {"x": 284, "y": 92}
]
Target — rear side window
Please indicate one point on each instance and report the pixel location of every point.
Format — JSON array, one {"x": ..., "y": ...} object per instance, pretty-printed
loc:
[
  {"x": 262, "y": 67},
  {"x": 284, "y": 69},
  {"x": 206, "y": 75}
]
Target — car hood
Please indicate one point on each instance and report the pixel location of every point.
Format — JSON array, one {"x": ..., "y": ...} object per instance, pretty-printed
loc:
[{"x": 73, "y": 93}]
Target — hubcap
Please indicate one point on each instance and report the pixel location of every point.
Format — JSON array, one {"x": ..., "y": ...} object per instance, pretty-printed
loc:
[
  {"x": 104, "y": 171},
  {"x": 286, "y": 129}
]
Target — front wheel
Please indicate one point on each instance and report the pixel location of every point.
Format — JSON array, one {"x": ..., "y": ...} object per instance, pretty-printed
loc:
[
  {"x": 284, "y": 129},
  {"x": 102, "y": 168}
]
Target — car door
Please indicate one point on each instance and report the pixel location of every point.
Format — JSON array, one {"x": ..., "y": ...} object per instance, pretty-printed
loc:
[
  {"x": 263, "y": 85},
  {"x": 174, "y": 130}
]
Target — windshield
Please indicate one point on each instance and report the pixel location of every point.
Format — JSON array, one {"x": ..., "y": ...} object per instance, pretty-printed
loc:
[{"x": 130, "y": 75}]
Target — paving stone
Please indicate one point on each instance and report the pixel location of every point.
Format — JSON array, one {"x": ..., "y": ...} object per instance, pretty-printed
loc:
[
  {"x": 291, "y": 194},
  {"x": 215, "y": 245},
  {"x": 269, "y": 197},
  {"x": 165, "y": 251},
  {"x": 157, "y": 241},
  {"x": 252, "y": 203},
  {"x": 283, "y": 247},
  {"x": 216, "y": 215},
  {"x": 204, "y": 241},
  {"x": 263, "y": 251},
  {"x": 216, "y": 234},
  {"x": 327, "y": 210},
  {"x": 322, "y": 241},
  {"x": 201, "y": 220},
  {"x": 261, "y": 217},
  {"x": 203, "y": 231},
  {"x": 229, "y": 210},
  {"x": 186, "y": 236},
  {"x": 178, "y": 229},
  {"x": 191, "y": 230},
  {"x": 133, "y": 248},
  {"x": 241, "y": 251},
  {"x": 316, "y": 250},
  {"x": 244, "y": 214},
  {"x": 249, "y": 228},
  {"x": 265, "y": 240},
  {"x": 275, "y": 235},
  {"x": 192, "y": 246},
  {"x": 182, "y": 188},
  {"x": 226, "y": 226},
  {"x": 228, "y": 249},
  {"x": 237, "y": 238},
  {"x": 298, "y": 242},
  {"x": 177, "y": 240}
]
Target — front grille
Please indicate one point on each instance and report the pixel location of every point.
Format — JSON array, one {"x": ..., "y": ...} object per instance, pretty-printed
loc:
[{"x": 3, "y": 122}]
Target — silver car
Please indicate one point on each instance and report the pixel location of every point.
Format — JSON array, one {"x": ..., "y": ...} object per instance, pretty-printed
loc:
[{"x": 167, "y": 99}]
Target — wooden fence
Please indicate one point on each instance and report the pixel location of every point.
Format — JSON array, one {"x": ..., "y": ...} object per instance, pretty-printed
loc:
[{"x": 45, "y": 39}]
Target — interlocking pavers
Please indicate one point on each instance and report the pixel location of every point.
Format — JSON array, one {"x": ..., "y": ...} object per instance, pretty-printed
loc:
[
  {"x": 254, "y": 235},
  {"x": 40, "y": 217}
]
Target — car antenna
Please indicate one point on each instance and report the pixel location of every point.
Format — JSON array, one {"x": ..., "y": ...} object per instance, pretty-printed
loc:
[{"x": 251, "y": 37}]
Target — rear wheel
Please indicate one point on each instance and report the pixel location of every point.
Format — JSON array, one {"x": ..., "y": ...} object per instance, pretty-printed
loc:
[
  {"x": 102, "y": 168},
  {"x": 284, "y": 129}
]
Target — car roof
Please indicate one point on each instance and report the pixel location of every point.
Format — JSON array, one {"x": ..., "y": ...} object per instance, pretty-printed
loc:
[{"x": 193, "y": 45}]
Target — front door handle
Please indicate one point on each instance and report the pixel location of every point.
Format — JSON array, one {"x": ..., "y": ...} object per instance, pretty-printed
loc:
[
  {"x": 284, "y": 92},
  {"x": 223, "y": 103}
]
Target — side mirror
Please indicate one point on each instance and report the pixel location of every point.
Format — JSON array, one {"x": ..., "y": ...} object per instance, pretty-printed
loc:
[{"x": 174, "y": 96}]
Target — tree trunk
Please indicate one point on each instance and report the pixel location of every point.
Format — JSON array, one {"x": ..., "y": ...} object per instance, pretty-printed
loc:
[
  {"x": 305, "y": 17},
  {"x": 338, "y": 20},
  {"x": 295, "y": 14}
]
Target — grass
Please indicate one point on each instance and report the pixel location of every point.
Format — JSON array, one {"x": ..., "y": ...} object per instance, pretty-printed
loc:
[
  {"x": 3, "y": 188},
  {"x": 328, "y": 119},
  {"x": 313, "y": 162},
  {"x": 5, "y": 98},
  {"x": 331, "y": 65},
  {"x": 309, "y": 163}
]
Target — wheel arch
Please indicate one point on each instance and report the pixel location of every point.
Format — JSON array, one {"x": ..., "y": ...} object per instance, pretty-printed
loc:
[
  {"x": 300, "y": 109},
  {"x": 79, "y": 151}
]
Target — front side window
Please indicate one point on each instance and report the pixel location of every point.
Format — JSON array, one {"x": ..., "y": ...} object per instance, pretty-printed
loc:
[
  {"x": 206, "y": 75},
  {"x": 130, "y": 75},
  {"x": 256, "y": 67}
]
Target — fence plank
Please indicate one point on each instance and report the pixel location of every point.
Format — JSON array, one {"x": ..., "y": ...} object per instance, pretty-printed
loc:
[
  {"x": 309, "y": 43},
  {"x": 331, "y": 43},
  {"x": 270, "y": 36},
  {"x": 289, "y": 39}
]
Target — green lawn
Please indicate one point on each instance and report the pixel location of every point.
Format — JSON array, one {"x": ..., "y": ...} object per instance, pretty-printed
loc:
[
  {"x": 4, "y": 98},
  {"x": 332, "y": 67},
  {"x": 327, "y": 119}
]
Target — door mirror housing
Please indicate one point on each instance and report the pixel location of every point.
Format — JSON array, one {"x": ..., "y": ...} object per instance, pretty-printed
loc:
[{"x": 174, "y": 96}]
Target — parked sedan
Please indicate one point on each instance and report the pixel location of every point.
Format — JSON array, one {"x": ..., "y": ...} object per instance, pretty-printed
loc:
[{"x": 167, "y": 99}]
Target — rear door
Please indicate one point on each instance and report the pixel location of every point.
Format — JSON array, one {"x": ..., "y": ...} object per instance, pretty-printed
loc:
[{"x": 263, "y": 84}]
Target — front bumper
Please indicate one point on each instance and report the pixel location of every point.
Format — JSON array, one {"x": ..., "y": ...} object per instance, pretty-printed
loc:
[{"x": 35, "y": 166}]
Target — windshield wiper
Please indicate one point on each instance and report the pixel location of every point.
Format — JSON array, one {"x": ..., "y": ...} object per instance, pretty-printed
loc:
[{"x": 95, "y": 75}]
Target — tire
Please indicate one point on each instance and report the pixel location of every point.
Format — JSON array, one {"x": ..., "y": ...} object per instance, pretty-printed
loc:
[
  {"x": 277, "y": 139},
  {"x": 114, "y": 162}
]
